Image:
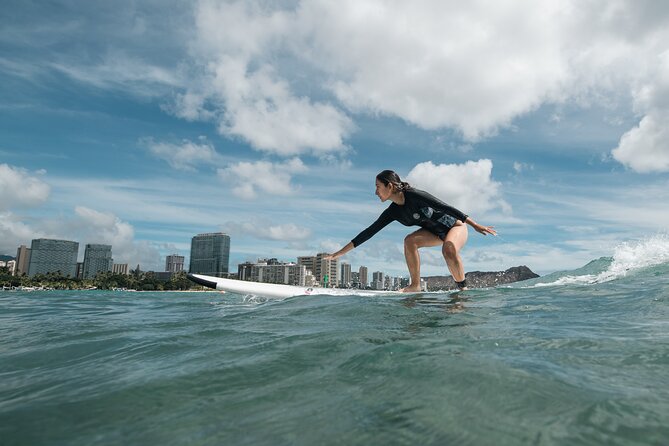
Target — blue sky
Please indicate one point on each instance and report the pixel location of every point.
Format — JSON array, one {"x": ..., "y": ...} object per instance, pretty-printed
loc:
[{"x": 141, "y": 124}]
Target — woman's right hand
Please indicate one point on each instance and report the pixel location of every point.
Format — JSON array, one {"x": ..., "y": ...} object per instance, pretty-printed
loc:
[{"x": 485, "y": 230}]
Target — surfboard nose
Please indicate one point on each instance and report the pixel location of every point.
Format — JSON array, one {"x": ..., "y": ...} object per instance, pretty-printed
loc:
[{"x": 199, "y": 280}]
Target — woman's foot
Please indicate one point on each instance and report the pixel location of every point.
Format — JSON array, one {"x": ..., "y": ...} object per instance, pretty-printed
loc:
[{"x": 462, "y": 286}]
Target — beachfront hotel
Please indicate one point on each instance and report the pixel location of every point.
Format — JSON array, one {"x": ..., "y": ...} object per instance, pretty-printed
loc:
[
  {"x": 97, "y": 259},
  {"x": 326, "y": 272},
  {"x": 273, "y": 271},
  {"x": 210, "y": 254},
  {"x": 51, "y": 256}
]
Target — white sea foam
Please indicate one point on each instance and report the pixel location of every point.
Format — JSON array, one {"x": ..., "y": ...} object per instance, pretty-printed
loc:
[{"x": 627, "y": 258}]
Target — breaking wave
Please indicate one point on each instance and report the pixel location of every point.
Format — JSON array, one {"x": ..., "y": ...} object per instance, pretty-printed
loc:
[{"x": 628, "y": 258}]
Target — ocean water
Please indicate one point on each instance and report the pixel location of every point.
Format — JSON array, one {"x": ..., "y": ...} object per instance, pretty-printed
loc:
[{"x": 575, "y": 358}]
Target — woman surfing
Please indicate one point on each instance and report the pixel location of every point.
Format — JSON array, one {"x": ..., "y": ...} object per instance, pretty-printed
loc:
[{"x": 440, "y": 224}]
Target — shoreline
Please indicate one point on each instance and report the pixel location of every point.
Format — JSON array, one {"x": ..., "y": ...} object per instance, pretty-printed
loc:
[{"x": 124, "y": 291}]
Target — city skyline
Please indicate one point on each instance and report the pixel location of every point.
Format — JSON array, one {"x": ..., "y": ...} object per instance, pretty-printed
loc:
[
  {"x": 98, "y": 258},
  {"x": 144, "y": 125},
  {"x": 175, "y": 260}
]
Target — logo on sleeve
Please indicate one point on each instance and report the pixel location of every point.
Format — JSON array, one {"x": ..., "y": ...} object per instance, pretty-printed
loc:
[{"x": 427, "y": 211}]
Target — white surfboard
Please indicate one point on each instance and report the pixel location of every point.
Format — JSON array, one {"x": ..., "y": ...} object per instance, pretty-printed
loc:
[{"x": 274, "y": 290}]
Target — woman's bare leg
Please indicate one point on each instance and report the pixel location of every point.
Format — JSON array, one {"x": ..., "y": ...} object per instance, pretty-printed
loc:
[
  {"x": 417, "y": 239},
  {"x": 455, "y": 240}
]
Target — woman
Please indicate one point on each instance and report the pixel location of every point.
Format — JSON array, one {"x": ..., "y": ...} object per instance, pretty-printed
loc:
[{"x": 440, "y": 224}]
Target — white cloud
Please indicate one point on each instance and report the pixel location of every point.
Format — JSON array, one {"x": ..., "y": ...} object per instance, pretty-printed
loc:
[
  {"x": 119, "y": 70},
  {"x": 14, "y": 232},
  {"x": 645, "y": 148},
  {"x": 468, "y": 187},
  {"x": 183, "y": 156},
  {"x": 190, "y": 106},
  {"x": 91, "y": 226},
  {"x": 250, "y": 178},
  {"x": 272, "y": 68},
  {"x": 520, "y": 167},
  {"x": 471, "y": 67},
  {"x": 19, "y": 189},
  {"x": 262, "y": 109},
  {"x": 246, "y": 94},
  {"x": 85, "y": 226},
  {"x": 289, "y": 77},
  {"x": 267, "y": 231}
]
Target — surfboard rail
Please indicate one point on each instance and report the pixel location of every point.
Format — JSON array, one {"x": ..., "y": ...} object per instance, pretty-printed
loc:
[{"x": 275, "y": 290}]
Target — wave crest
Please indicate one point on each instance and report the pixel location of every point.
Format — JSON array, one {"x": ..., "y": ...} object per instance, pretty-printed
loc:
[{"x": 628, "y": 257}]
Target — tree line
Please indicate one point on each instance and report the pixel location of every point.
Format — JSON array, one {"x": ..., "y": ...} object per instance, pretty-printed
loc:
[{"x": 136, "y": 280}]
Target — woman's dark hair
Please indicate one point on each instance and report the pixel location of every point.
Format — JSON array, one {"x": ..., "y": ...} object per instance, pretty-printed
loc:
[{"x": 390, "y": 177}]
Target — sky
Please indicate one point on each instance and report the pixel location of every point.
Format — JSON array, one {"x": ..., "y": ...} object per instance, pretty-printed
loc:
[{"x": 143, "y": 123}]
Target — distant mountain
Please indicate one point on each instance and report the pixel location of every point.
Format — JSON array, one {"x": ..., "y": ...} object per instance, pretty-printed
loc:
[
  {"x": 6, "y": 258},
  {"x": 479, "y": 279}
]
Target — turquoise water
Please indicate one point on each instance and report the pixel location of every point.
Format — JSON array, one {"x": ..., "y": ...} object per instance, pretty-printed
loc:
[{"x": 572, "y": 359}]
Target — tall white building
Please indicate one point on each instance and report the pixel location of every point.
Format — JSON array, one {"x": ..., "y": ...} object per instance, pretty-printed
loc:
[
  {"x": 364, "y": 280},
  {"x": 346, "y": 278},
  {"x": 273, "y": 272},
  {"x": 326, "y": 271},
  {"x": 309, "y": 262},
  {"x": 377, "y": 280},
  {"x": 10, "y": 265}
]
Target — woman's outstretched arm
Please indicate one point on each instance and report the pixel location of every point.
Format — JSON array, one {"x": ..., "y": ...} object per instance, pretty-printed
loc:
[
  {"x": 341, "y": 252},
  {"x": 384, "y": 219}
]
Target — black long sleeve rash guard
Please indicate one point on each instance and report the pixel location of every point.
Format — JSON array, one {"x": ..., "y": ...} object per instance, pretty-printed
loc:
[{"x": 419, "y": 209}]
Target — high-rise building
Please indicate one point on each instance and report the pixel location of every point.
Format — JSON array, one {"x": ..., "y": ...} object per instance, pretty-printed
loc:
[
  {"x": 97, "y": 259},
  {"x": 210, "y": 254},
  {"x": 245, "y": 270},
  {"x": 309, "y": 262},
  {"x": 11, "y": 266},
  {"x": 120, "y": 268},
  {"x": 355, "y": 279},
  {"x": 22, "y": 260},
  {"x": 174, "y": 263},
  {"x": 377, "y": 280},
  {"x": 326, "y": 271},
  {"x": 273, "y": 271},
  {"x": 363, "y": 277},
  {"x": 346, "y": 279},
  {"x": 52, "y": 256}
]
